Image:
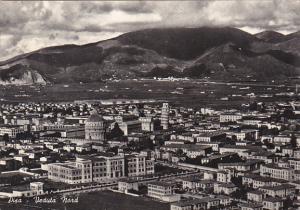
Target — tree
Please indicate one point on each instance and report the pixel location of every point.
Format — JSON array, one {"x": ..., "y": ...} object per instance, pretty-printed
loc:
[
  {"x": 288, "y": 113},
  {"x": 6, "y": 138},
  {"x": 268, "y": 144},
  {"x": 294, "y": 141},
  {"x": 179, "y": 152},
  {"x": 116, "y": 132}
]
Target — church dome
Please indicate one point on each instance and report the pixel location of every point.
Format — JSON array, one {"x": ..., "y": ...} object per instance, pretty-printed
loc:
[{"x": 95, "y": 118}]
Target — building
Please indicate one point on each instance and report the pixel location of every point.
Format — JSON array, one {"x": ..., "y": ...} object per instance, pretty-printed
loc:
[
  {"x": 251, "y": 206},
  {"x": 249, "y": 165},
  {"x": 224, "y": 176},
  {"x": 271, "y": 203},
  {"x": 195, "y": 183},
  {"x": 162, "y": 191},
  {"x": 33, "y": 189},
  {"x": 230, "y": 117},
  {"x": 165, "y": 116},
  {"x": 147, "y": 123},
  {"x": 76, "y": 132},
  {"x": 95, "y": 128},
  {"x": 281, "y": 191},
  {"x": 100, "y": 168},
  {"x": 226, "y": 188},
  {"x": 138, "y": 165},
  {"x": 128, "y": 124},
  {"x": 211, "y": 136},
  {"x": 127, "y": 184},
  {"x": 255, "y": 196},
  {"x": 274, "y": 171},
  {"x": 11, "y": 130},
  {"x": 197, "y": 204},
  {"x": 294, "y": 163}
]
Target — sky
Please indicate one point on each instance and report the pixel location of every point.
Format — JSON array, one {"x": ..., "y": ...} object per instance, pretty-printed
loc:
[{"x": 30, "y": 25}]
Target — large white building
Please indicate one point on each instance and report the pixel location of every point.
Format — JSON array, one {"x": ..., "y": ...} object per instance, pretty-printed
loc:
[{"x": 101, "y": 168}]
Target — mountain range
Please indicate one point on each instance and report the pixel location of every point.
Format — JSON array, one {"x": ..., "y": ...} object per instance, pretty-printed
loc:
[{"x": 218, "y": 53}]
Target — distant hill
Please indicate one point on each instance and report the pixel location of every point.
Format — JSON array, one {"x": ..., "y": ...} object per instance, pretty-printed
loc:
[
  {"x": 180, "y": 52},
  {"x": 270, "y": 36}
]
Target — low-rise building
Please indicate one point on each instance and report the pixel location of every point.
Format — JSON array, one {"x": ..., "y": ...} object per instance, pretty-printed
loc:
[
  {"x": 255, "y": 196},
  {"x": 224, "y": 188},
  {"x": 274, "y": 171},
  {"x": 281, "y": 191},
  {"x": 271, "y": 203},
  {"x": 162, "y": 191}
]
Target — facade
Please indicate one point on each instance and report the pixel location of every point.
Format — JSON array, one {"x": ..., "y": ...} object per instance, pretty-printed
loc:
[
  {"x": 295, "y": 164},
  {"x": 73, "y": 132},
  {"x": 273, "y": 203},
  {"x": 251, "y": 206},
  {"x": 125, "y": 185},
  {"x": 197, "y": 204},
  {"x": 255, "y": 196},
  {"x": 280, "y": 191},
  {"x": 95, "y": 128},
  {"x": 129, "y": 124},
  {"x": 223, "y": 176},
  {"x": 226, "y": 188},
  {"x": 139, "y": 165},
  {"x": 11, "y": 131},
  {"x": 34, "y": 189},
  {"x": 274, "y": 171},
  {"x": 230, "y": 117},
  {"x": 163, "y": 191},
  {"x": 147, "y": 123},
  {"x": 211, "y": 136},
  {"x": 100, "y": 168},
  {"x": 194, "y": 183}
]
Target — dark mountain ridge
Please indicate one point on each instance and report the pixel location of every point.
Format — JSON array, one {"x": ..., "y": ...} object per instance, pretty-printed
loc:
[{"x": 158, "y": 52}]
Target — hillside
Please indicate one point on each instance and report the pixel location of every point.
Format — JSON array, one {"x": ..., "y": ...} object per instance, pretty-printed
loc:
[
  {"x": 270, "y": 36},
  {"x": 192, "y": 52}
]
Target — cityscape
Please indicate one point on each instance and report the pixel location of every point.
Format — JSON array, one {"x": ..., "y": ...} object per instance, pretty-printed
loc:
[{"x": 162, "y": 116}]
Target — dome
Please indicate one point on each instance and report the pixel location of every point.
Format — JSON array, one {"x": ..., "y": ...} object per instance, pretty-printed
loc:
[{"x": 95, "y": 118}]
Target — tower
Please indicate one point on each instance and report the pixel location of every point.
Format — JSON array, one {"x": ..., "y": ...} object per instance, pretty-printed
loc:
[
  {"x": 95, "y": 128},
  {"x": 165, "y": 116}
]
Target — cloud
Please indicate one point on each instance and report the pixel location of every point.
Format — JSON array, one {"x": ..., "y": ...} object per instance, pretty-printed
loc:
[{"x": 27, "y": 26}]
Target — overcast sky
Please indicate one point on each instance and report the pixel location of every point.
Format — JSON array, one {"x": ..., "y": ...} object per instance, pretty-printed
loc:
[{"x": 27, "y": 26}]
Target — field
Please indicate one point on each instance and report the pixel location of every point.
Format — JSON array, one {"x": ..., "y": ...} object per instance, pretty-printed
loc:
[
  {"x": 195, "y": 93},
  {"x": 104, "y": 200}
]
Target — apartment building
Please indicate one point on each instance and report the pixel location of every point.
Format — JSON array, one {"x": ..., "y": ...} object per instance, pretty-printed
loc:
[
  {"x": 138, "y": 165},
  {"x": 11, "y": 130},
  {"x": 100, "y": 168},
  {"x": 274, "y": 171},
  {"x": 230, "y": 117},
  {"x": 211, "y": 136},
  {"x": 280, "y": 191},
  {"x": 294, "y": 163},
  {"x": 160, "y": 189}
]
